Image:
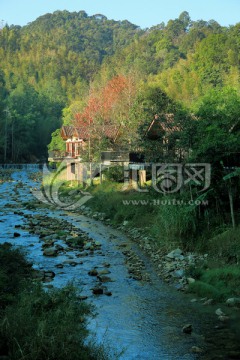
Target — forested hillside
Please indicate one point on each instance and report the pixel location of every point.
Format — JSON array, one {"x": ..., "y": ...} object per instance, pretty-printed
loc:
[
  {"x": 71, "y": 67},
  {"x": 74, "y": 69},
  {"x": 44, "y": 67}
]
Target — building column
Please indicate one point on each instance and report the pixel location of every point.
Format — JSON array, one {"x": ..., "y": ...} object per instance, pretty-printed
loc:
[{"x": 142, "y": 177}]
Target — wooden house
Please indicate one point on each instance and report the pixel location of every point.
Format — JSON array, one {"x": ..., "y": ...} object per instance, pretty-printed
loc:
[
  {"x": 163, "y": 128},
  {"x": 79, "y": 139}
]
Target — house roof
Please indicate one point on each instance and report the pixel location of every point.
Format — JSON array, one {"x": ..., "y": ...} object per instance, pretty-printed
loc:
[
  {"x": 85, "y": 132},
  {"x": 67, "y": 132},
  {"x": 161, "y": 125}
]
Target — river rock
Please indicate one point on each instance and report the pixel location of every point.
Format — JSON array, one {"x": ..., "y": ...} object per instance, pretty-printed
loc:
[
  {"x": 88, "y": 246},
  {"x": 16, "y": 234},
  {"x": 48, "y": 244},
  {"x": 50, "y": 274},
  {"x": 68, "y": 262},
  {"x": 187, "y": 329},
  {"x": 104, "y": 279},
  {"x": 208, "y": 302},
  {"x": 233, "y": 302},
  {"x": 179, "y": 287},
  {"x": 175, "y": 254},
  {"x": 219, "y": 312},
  {"x": 93, "y": 272},
  {"x": 59, "y": 266},
  {"x": 171, "y": 266},
  {"x": 104, "y": 272},
  {"x": 179, "y": 273},
  {"x": 197, "y": 350},
  {"x": 51, "y": 251},
  {"x": 73, "y": 263},
  {"x": 106, "y": 264},
  {"x": 97, "y": 291},
  {"x": 59, "y": 247},
  {"x": 48, "y": 238}
]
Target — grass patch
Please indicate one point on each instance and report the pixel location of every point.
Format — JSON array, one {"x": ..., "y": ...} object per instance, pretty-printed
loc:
[
  {"x": 170, "y": 225},
  {"x": 203, "y": 289},
  {"x": 119, "y": 205},
  {"x": 46, "y": 325},
  {"x": 14, "y": 270},
  {"x": 226, "y": 245},
  {"x": 35, "y": 324},
  {"x": 218, "y": 283}
]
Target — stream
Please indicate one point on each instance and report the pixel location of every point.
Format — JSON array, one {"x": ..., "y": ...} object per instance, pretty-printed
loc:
[{"x": 144, "y": 319}]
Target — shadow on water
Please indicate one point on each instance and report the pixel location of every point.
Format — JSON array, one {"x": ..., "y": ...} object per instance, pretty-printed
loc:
[{"x": 143, "y": 318}]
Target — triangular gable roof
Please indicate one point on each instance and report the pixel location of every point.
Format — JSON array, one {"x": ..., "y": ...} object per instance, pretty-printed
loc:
[
  {"x": 67, "y": 132},
  {"x": 111, "y": 132},
  {"x": 85, "y": 132},
  {"x": 161, "y": 125}
]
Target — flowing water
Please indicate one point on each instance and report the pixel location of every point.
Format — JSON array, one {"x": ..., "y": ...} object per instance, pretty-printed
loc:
[{"x": 144, "y": 319}]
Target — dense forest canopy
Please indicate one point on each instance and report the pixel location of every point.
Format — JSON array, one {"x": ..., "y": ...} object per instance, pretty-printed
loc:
[
  {"x": 45, "y": 66},
  {"x": 57, "y": 68}
]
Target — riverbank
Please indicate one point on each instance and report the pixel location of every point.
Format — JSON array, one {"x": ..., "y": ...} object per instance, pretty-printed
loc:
[
  {"x": 35, "y": 324},
  {"x": 206, "y": 266},
  {"x": 141, "y": 314},
  {"x": 205, "y": 276}
]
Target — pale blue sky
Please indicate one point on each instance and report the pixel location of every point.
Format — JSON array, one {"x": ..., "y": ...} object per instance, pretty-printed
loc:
[{"x": 145, "y": 13}]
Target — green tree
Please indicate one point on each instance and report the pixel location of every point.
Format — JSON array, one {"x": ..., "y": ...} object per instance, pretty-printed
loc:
[
  {"x": 33, "y": 118},
  {"x": 3, "y": 118},
  {"x": 216, "y": 141},
  {"x": 217, "y": 135}
]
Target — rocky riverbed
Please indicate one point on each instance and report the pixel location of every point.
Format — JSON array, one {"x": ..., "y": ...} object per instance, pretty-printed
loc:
[{"x": 135, "y": 310}]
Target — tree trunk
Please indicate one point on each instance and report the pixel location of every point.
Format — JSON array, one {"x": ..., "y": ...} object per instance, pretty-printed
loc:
[{"x": 230, "y": 194}]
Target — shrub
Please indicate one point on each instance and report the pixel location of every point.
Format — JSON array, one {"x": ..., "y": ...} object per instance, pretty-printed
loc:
[
  {"x": 227, "y": 277},
  {"x": 14, "y": 269},
  {"x": 195, "y": 272},
  {"x": 46, "y": 325},
  {"x": 219, "y": 283},
  {"x": 205, "y": 290},
  {"x": 226, "y": 245},
  {"x": 114, "y": 173},
  {"x": 36, "y": 324}
]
